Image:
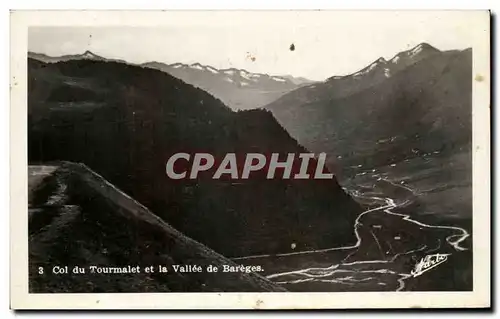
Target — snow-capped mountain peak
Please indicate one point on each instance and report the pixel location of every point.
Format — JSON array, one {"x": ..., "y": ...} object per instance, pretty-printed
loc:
[
  {"x": 383, "y": 68},
  {"x": 279, "y": 79},
  {"x": 416, "y": 50},
  {"x": 374, "y": 65},
  {"x": 196, "y": 66},
  {"x": 421, "y": 50},
  {"x": 212, "y": 69},
  {"x": 233, "y": 86},
  {"x": 244, "y": 74}
]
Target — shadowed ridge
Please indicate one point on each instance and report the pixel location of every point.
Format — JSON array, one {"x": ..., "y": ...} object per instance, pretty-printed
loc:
[
  {"x": 125, "y": 121},
  {"x": 83, "y": 220}
]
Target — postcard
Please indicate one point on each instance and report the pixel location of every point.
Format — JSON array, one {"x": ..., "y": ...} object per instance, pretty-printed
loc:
[{"x": 250, "y": 159}]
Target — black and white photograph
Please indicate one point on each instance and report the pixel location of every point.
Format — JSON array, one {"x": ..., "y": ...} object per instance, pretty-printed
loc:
[{"x": 322, "y": 151}]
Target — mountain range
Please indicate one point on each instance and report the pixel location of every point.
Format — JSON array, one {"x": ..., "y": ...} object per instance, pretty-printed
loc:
[
  {"x": 398, "y": 129},
  {"x": 237, "y": 88},
  {"x": 125, "y": 121},
  {"x": 416, "y": 103}
]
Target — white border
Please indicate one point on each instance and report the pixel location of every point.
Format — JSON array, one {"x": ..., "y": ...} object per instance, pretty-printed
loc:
[{"x": 21, "y": 299}]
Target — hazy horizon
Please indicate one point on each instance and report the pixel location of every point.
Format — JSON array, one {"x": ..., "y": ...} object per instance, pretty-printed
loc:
[{"x": 323, "y": 48}]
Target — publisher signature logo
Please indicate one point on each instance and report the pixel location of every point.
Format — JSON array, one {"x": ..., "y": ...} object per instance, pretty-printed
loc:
[{"x": 429, "y": 262}]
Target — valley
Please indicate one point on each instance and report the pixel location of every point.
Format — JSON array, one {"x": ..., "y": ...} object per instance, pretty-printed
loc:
[
  {"x": 395, "y": 138},
  {"x": 406, "y": 222}
]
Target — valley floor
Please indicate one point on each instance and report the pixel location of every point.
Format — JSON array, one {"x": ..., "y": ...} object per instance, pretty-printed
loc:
[{"x": 408, "y": 216}]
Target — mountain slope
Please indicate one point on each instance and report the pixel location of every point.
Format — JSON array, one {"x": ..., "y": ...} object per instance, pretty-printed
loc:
[
  {"x": 77, "y": 218},
  {"x": 422, "y": 106},
  {"x": 125, "y": 121},
  {"x": 238, "y": 89}
]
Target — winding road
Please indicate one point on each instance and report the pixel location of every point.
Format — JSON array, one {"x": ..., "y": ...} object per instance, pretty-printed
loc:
[{"x": 393, "y": 267}]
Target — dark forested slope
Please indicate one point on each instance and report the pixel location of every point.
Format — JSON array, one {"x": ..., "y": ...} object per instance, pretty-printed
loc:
[{"x": 125, "y": 121}]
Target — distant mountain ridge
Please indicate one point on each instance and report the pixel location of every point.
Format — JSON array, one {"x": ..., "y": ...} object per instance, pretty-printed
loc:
[
  {"x": 233, "y": 75},
  {"x": 237, "y": 88},
  {"x": 398, "y": 62},
  {"x": 87, "y": 55},
  {"x": 415, "y": 103},
  {"x": 376, "y": 72}
]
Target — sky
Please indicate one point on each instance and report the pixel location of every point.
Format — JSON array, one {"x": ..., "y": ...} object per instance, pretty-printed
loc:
[{"x": 326, "y": 44}]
